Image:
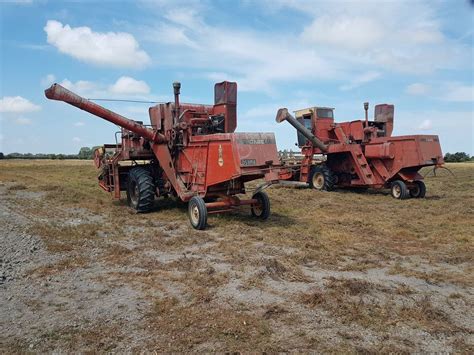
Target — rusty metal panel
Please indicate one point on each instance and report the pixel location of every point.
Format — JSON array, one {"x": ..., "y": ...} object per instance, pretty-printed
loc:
[
  {"x": 381, "y": 151},
  {"x": 256, "y": 149},
  {"x": 385, "y": 113},
  {"x": 356, "y": 131},
  {"x": 221, "y": 163}
]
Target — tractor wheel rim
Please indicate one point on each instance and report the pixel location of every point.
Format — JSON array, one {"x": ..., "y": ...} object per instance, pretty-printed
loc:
[
  {"x": 318, "y": 181},
  {"x": 397, "y": 191},
  {"x": 258, "y": 208},
  {"x": 195, "y": 214}
]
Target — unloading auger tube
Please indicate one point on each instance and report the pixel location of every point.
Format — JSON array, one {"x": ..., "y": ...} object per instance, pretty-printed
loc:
[
  {"x": 60, "y": 93},
  {"x": 284, "y": 115}
]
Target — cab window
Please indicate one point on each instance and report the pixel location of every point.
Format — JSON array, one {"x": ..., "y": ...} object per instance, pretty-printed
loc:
[
  {"x": 324, "y": 113},
  {"x": 305, "y": 121}
]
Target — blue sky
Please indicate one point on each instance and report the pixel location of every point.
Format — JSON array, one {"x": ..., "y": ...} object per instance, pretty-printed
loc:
[{"x": 283, "y": 53}]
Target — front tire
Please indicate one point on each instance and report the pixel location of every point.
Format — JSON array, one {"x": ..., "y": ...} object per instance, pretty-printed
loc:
[
  {"x": 197, "y": 213},
  {"x": 140, "y": 190},
  {"x": 321, "y": 178},
  {"x": 419, "y": 190},
  {"x": 262, "y": 209},
  {"x": 399, "y": 190}
]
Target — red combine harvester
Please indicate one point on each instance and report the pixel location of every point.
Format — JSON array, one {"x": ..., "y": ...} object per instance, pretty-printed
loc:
[
  {"x": 359, "y": 154},
  {"x": 189, "y": 151}
]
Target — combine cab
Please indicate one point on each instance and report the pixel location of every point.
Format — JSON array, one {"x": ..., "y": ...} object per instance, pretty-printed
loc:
[{"x": 361, "y": 153}]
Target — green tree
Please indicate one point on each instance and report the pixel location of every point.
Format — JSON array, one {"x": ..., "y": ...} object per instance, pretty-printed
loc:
[
  {"x": 85, "y": 153},
  {"x": 456, "y": 157}
]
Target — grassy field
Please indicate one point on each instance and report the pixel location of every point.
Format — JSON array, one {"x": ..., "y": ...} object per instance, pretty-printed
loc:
[{"x": 329, "y": 271}]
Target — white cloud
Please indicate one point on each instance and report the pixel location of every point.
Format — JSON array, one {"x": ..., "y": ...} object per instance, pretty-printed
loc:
[
  {"x": 185, "y": 16},
  {"x": 344, "y": 31},
  {"x": 335, "y": 43},
  {"x": 260, "y": 112},
  {"x": 458, "y": 92},
  {"x": 256, "y": 61},
  {"x": 81, "y": 87},
  {"x": 174, "y": 35},
  {"x": 446, "y": 91},
  {"x": 116, "y": 49},
  {"x": 398, "y": 36},
  {"x": 79, "y": 124},
  {"x": 17, "y": 104},
  {"x": 48, "y": 80},
  {"x": 124, "y": 87},
  {"x": 22, "y": 121},
  {"x": 417, "y": 89},
  {"x": 76, "y": 139},
  {"x": 426, "y": 125},
  {"x": 218, "y": 76},
  {"x": 128, "y": 85},
  {"x": 361, "y": 80}
]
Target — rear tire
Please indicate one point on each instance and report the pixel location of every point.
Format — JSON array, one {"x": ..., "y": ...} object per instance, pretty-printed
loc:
[
  {"x": 197, "y": 213},
  {"x": 321, "y": 178},
  {"x": 262, "y": 209},
  {"x": 399, "y": 190},
  {"x": 419, "y": 190},
  {"x": 140, "y": 190}
]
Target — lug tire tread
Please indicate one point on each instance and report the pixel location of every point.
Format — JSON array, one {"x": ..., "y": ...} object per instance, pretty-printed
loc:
[
  {"x": 329, "y": 177},
  {"x": 422, "y": 191},
  {"x": 146, "y": 187},
  {"x": 263, "y": 197},
  {"x": 404, "y": 192}
]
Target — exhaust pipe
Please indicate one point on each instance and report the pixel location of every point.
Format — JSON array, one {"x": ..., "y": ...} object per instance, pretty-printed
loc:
[{"x": 284, "y": 115}]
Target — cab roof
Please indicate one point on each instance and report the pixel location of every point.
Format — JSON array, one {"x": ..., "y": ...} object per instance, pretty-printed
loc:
[{"x": 305, "y": 111}]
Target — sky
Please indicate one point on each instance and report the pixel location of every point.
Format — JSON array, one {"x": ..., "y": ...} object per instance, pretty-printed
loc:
[{"x": 417, "y": 55}]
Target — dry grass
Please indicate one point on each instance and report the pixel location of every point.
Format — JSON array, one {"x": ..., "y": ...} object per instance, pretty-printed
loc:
[
  {"x": 66, "y": 264},
  {"x": 353, "y": 301},
  {"x": 301, "y": 281},
  {"x": 199, "y": 326}
]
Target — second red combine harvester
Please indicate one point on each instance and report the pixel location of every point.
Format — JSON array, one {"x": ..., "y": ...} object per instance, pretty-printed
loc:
[
  {"x": 188, "y": 151},
  {"x": 359, "y": 154}
]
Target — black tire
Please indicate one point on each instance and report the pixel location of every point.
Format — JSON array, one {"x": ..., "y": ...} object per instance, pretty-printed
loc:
[
  {"x": 262, "y": 210},
  {"x": 197, "y": 213},
  {"x": 140, "y": 190},
  {"x": 321, "y": 178},
  {"x": 419, "y": 190},
  {"x": 399, "y": 190}
]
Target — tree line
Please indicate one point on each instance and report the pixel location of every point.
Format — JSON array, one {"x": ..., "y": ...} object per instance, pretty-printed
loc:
[
  {"x": 457, "y": 157},
  {"x": 85, "y": 153}
]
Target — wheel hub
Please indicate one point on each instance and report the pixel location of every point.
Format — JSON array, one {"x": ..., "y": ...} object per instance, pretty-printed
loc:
[
  {"x": 318, "y": 181},
  {"x": 195, "y": 214},
  {"x": 258, "y": 208},
  {"x": 397, "y": 191}
]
